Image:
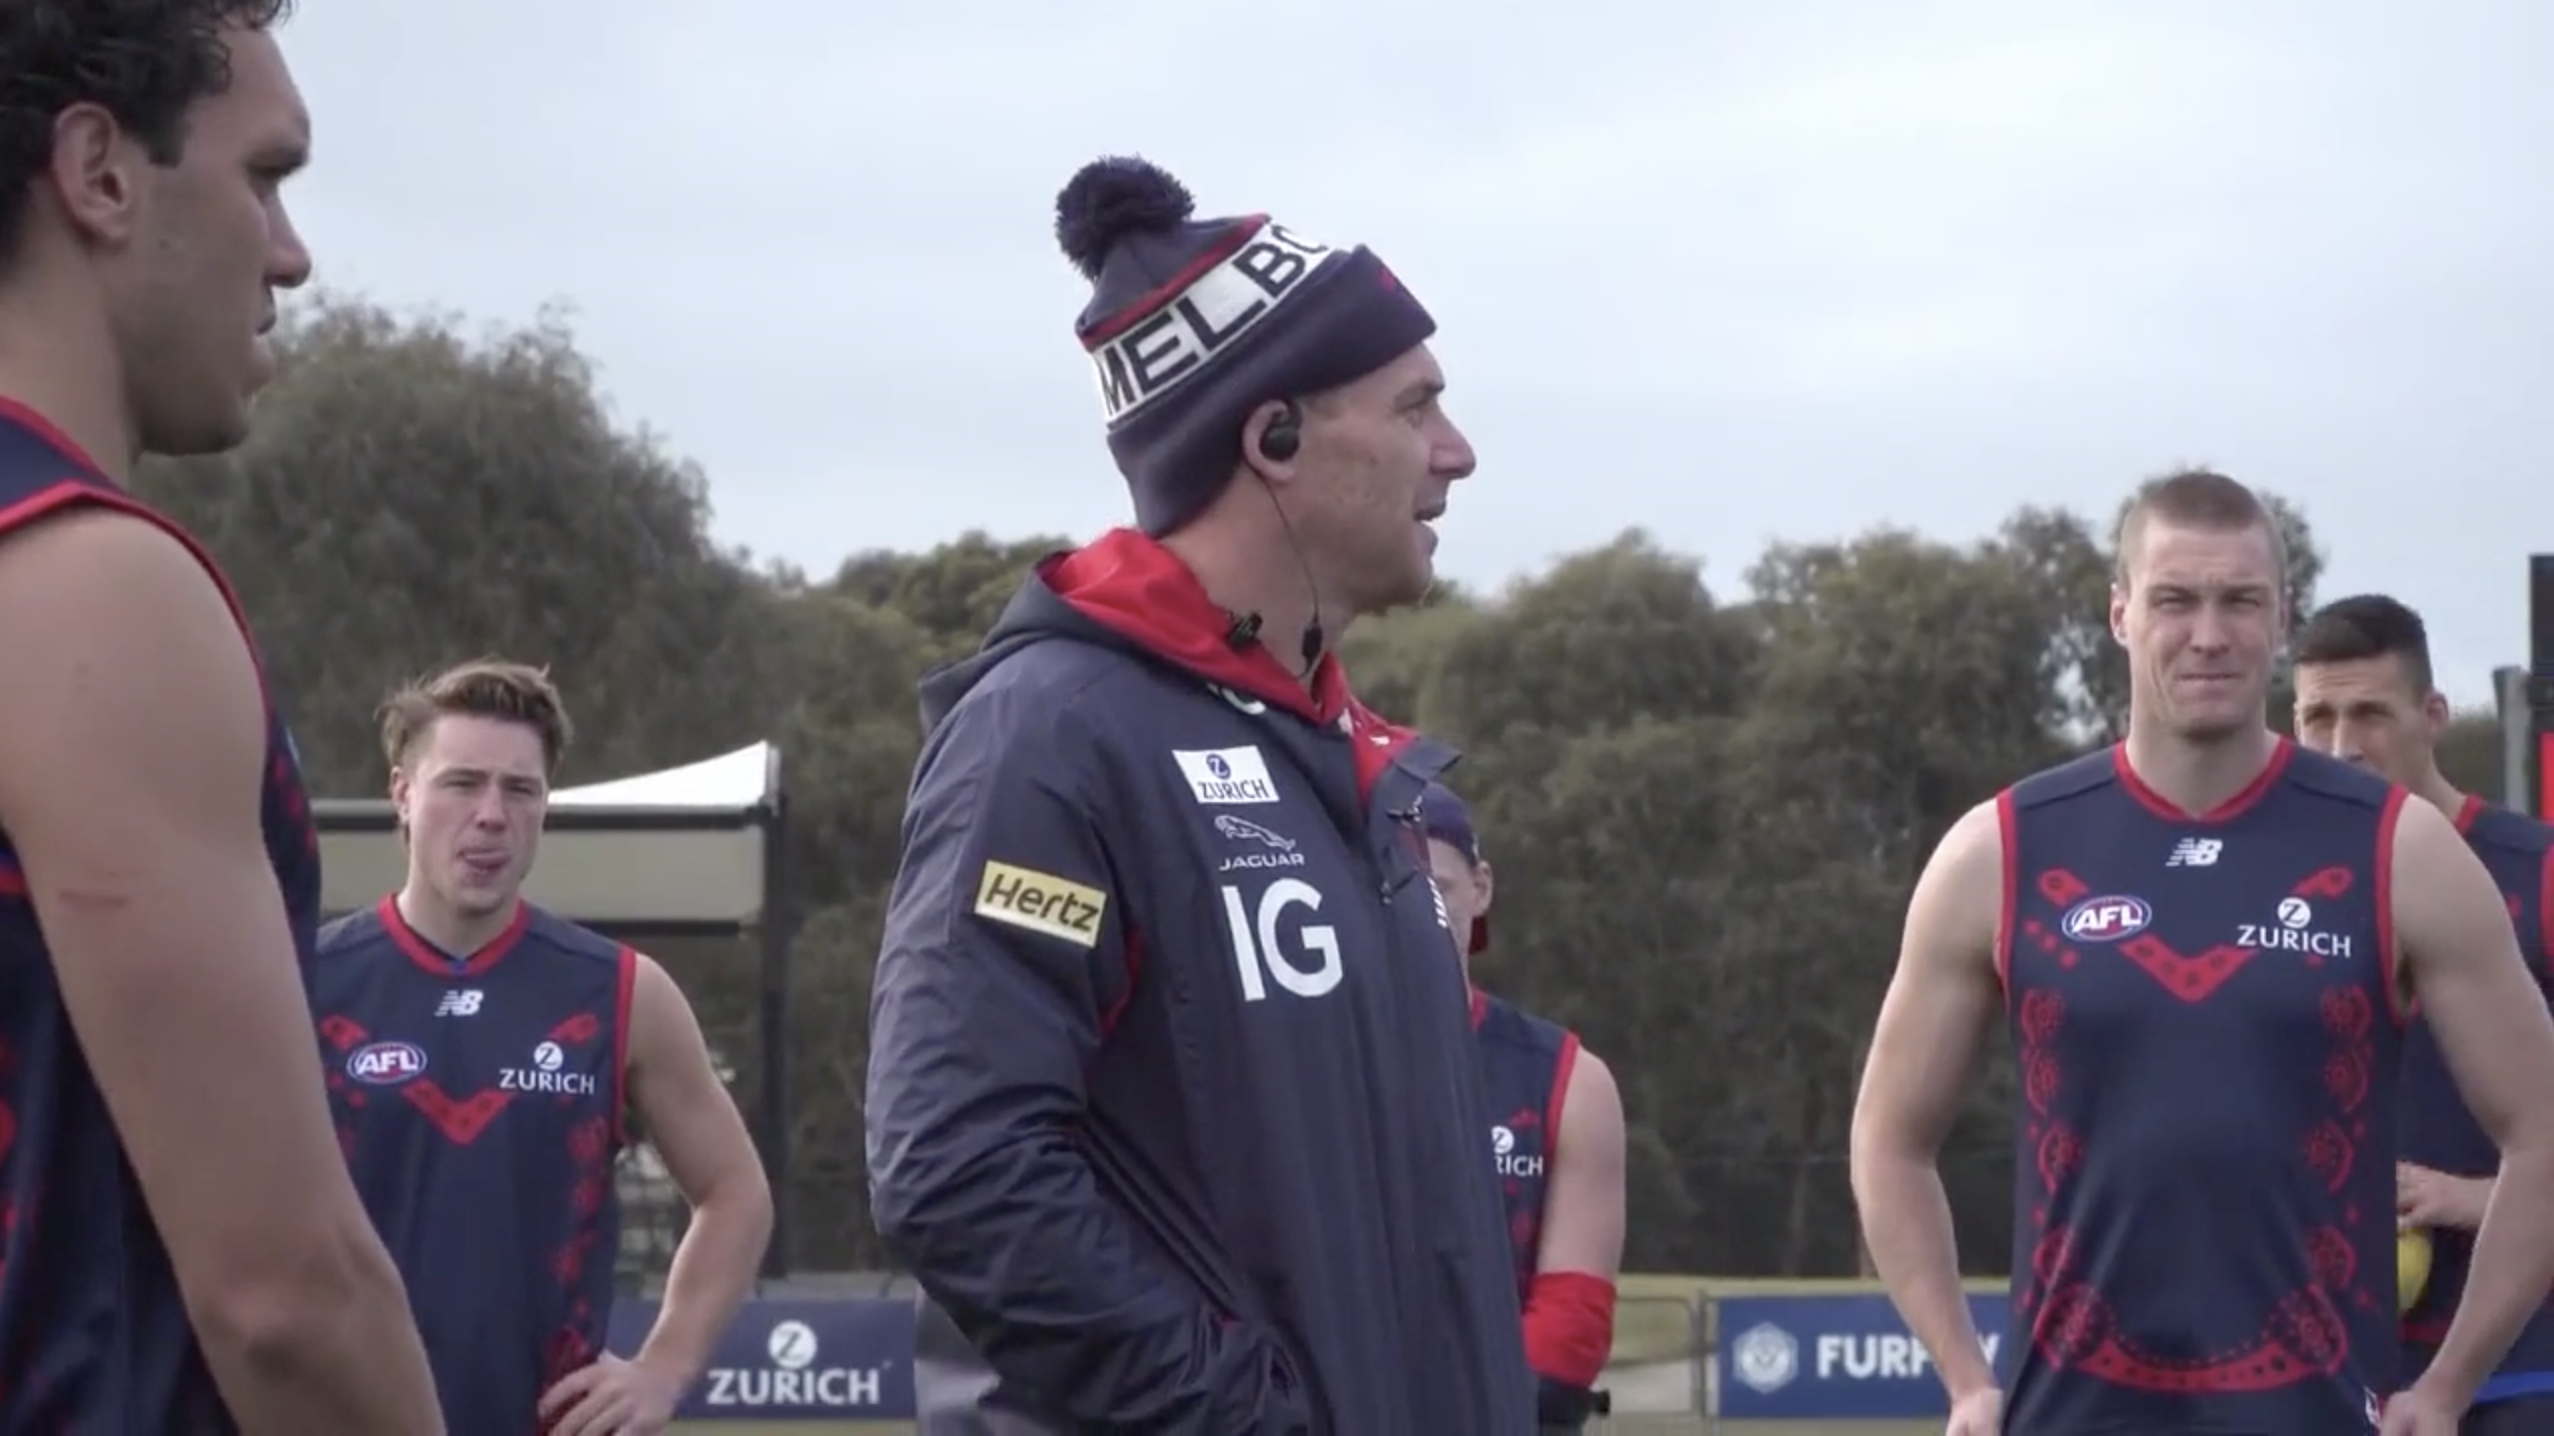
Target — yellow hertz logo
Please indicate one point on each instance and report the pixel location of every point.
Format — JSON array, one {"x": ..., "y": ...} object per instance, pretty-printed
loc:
[{"x": 1041, "y": 903}]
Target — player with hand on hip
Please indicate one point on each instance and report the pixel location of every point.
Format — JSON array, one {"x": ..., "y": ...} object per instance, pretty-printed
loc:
[
  {"x": 2206, "y": 941},
  {"x": 490, "y": 1060},
  {"x": 2366, "y": 695}
]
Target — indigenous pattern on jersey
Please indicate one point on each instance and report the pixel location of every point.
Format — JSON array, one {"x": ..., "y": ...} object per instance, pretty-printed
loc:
[
  {"x": 94, "y": 1336},
  {"x": 2207, "y": 1027},
  {"x": 480, "y": 1100},
  {"x": 1525, "y": 1067},
  {"x": 2438, "y": 1131}
]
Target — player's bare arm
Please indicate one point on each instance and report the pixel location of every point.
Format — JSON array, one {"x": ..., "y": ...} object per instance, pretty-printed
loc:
[
  {"x": 2461, "y": 960},
  {"x": 1934, "y": 1022},
  {"x": 2429, "y": 1198},
  {"x": 1583, "y": 1206},
  {"x": 1569, "y": 1315},
  {"x": 692, "y": 1121},
  {"x": 1569, "y": 1312},
  {"x": 137, "y": 820}
]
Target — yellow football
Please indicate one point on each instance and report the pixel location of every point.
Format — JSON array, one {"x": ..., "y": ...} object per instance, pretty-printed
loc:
[{"x": 2411, "y": 1266}]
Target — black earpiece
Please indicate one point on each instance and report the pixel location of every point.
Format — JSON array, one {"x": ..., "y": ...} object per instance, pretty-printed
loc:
[
  {"x": 1279, "y": 442},
  {"x": 1284, "y": 436}
]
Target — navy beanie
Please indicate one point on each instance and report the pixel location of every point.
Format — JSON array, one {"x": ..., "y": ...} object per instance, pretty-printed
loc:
[
  {"x": 1194, "y": 323},
  {"x": 1444, "y": 819}
]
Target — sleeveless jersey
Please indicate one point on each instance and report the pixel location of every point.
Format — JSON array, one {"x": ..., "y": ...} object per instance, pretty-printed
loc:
[
  {"x": 480, "y": 1102},
  {"x": 1525, "y": 1068},
  {"x": 93, "y": 1335},
  {"x": 2207, "y": 1029},
  {"x": 2438, "y": 1131}
]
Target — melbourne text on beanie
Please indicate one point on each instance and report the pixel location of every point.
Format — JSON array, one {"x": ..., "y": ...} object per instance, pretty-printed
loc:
[{"x": 1194, "y": 323}]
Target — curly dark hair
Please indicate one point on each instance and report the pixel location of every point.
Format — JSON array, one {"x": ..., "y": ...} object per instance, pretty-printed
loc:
[{"x": 146, "y": 61}]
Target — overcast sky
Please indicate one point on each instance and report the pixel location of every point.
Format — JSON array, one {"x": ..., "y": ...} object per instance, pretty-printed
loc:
[{"x": 1737, "y": 273}]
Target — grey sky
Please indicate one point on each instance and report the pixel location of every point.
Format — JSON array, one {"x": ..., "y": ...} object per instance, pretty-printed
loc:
[{"x": 1735, "y": 273}]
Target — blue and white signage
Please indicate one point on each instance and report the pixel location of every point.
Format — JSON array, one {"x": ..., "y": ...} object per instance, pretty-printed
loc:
[
  {"x": 1834, "y": 1358},
  {"x": 849, "y": 1360}
]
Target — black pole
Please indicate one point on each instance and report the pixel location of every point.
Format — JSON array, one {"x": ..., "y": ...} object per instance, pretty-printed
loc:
[{"x": 774, "y": 1018}]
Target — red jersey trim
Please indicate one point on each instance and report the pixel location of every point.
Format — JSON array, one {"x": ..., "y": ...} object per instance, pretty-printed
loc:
[
  {"x": 72, "y": 492},
  {"x": 2282, "y": 749},
  {"x": 2390, "y": 945},
  {"x": 2545, "y": 910},
  {"x": 452, "y": 964},
  {"x": 624, "y": 1002},
  {"x": 2008, "y": 827},
  {"x": 1564, "y": 1065}
]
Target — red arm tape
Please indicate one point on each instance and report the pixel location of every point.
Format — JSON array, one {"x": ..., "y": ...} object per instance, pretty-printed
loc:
[{"x": 1569, "y": 1326}]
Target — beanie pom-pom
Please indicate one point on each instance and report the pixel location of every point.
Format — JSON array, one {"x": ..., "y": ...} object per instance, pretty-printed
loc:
[{"x": 1110, "y": 199}]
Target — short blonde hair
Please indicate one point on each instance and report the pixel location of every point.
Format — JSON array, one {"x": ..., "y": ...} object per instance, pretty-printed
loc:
[
  {"x": 486, "y": 688},
  {"x": 2199, "y": 499}
]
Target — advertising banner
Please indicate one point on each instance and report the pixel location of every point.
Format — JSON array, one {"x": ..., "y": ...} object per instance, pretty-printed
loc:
[
  {"x": 1832, "y": 1358},
  {"x": 846, "y": 1360}
]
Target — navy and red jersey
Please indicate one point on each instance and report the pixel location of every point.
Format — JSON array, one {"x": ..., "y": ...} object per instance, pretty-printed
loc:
[
  {"x": 1525, "y": 1070},
  {"x": 480, "y": 1099},
  {"x": 93, "y": 1334},
  {"x": 2207, "y": 1027},
  {"x": 2438, "y": 1131}
]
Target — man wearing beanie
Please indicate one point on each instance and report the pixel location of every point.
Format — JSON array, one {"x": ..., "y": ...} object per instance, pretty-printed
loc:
[
  {"x": 1172, "y": 1108},
  {"x": 1556, "y": 1145}
]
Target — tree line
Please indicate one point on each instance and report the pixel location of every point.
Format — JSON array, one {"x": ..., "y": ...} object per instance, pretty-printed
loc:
[{"x": 1707, "y": 801}]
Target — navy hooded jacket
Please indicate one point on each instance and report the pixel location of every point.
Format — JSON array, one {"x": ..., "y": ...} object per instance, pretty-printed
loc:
[{"x": 1173, "y": 1110}]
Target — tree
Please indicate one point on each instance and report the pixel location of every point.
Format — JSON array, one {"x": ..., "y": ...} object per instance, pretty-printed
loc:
[
  {"x": 955, "y": 592},
  {"x": 412, "y": 499},
  {"x": 2470, "y": 754},
  {"x": 1706, "y": 809},
  {"x": 1620, "y": 632}
]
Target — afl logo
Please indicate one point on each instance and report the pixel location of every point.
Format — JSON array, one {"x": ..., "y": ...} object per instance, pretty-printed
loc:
[
  {"x": 2107, "y": 919},
  {"x": 386, "y": 1064}
]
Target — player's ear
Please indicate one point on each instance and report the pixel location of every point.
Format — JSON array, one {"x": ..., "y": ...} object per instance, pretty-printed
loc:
[
  {"x": 2435, "y": 713},
  {"x": 94, "y": 171},
  {"x": 1485, "y": 884},
  {"x": 1273, "y": 462},
  {"x": 2119, "y": 613},
  {"x": 399, "y": 789}
]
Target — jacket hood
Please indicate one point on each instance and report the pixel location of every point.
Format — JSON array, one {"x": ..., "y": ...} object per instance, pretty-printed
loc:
[{"x": 1126, "y": 591}]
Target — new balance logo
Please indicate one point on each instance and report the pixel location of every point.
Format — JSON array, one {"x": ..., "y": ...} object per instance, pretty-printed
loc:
[
  {"x": 460, "y": 1002},
  {"x": 2195, "y": 853}
]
